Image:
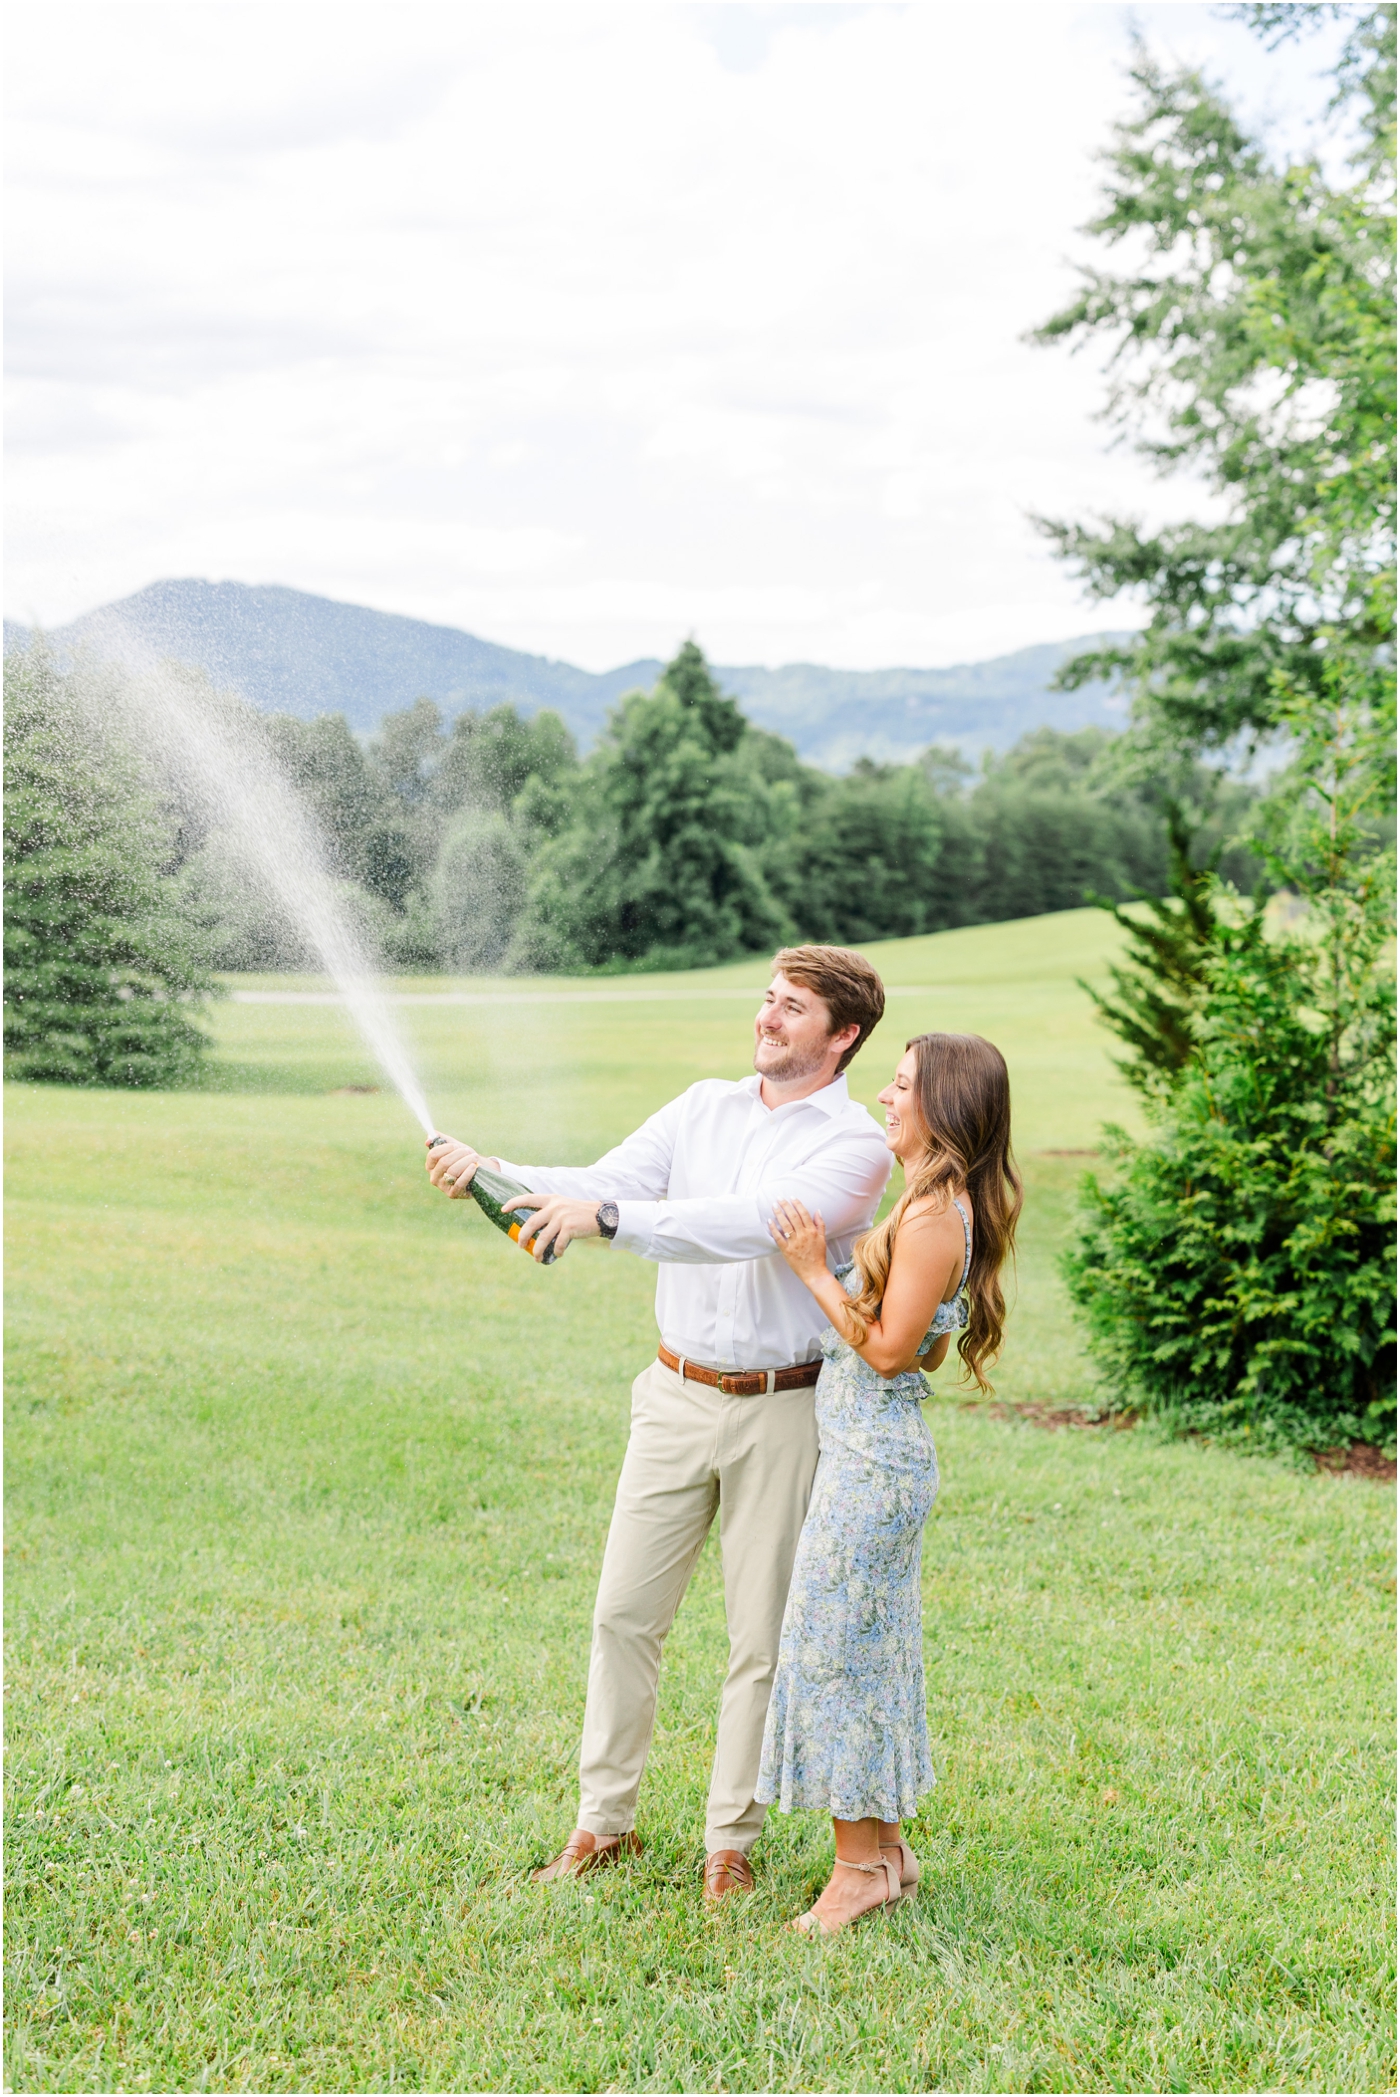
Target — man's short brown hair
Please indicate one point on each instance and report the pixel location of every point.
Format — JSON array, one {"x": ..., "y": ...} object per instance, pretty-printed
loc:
[{"x": 846, "y": 984}]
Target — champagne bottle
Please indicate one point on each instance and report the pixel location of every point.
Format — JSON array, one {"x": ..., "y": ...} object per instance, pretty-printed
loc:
[{"x": 490, "y": 1191}]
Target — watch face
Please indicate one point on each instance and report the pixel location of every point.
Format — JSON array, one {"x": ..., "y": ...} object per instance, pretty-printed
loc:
[{"x": 607, "y": 1218}]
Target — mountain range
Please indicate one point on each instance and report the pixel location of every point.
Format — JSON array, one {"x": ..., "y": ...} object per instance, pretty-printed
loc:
[{"x": 289, "y": 652}]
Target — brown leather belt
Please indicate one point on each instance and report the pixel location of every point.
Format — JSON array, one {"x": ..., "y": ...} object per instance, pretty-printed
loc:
[{"x": 744, "y": 1383}]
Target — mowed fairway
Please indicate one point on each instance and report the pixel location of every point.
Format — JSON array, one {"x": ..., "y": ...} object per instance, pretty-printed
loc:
[{"x": 309, "y": 1476}]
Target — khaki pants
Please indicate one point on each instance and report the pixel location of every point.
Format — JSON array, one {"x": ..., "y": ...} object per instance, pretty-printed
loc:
[{"x": 692, "y": 1450}]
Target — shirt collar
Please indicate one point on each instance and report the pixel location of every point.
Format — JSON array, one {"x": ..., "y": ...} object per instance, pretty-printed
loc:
[{"x": 831, "y": 1099}]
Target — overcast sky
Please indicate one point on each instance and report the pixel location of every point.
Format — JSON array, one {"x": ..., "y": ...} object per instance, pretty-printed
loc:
[{"x": 581, "y": 327}]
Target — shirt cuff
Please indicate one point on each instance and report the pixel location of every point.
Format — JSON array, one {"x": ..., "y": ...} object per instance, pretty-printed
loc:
[{"x": 636, "y": 1225}]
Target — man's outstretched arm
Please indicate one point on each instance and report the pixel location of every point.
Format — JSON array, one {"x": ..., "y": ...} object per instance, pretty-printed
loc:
[
  {"x": 639, "y": 1168},
  {"x": 843, "y": 1184}
]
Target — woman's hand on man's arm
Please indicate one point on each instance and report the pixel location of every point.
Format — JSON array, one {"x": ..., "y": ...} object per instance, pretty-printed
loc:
[
  {"x": 801, "y": 1239},
  {"x": 919, "y": 1269}
]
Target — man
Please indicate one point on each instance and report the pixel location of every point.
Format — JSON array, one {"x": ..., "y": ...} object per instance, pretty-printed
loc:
[{"x": 724, "y": 1417}]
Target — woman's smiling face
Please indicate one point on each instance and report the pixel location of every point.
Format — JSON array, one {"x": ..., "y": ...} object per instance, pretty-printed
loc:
[{"x": 904, "y": 1125}]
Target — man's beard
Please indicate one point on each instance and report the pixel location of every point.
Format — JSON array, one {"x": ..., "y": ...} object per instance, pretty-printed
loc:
[{"x": 791, "y": 1065}]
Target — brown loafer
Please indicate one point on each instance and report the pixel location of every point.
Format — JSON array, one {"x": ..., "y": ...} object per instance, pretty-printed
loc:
[
  {"x": 584, "y": 1852},
  {"x": 727, "y": 1871}
]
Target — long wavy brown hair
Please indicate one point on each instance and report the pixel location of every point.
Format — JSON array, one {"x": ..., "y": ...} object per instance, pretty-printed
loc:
[{"x": 964, "y": 1104}]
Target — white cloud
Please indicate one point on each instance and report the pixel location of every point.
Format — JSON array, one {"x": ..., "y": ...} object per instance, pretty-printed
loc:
[{"x": 581, "y": 326}]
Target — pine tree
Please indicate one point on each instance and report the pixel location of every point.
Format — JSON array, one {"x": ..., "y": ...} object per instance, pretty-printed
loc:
[
  {"x": 1160, "y": 987},
  {"x": 102, "y": 973},
  {"x": 688, "y": 677},
  {"x": 660, "y": 865}
]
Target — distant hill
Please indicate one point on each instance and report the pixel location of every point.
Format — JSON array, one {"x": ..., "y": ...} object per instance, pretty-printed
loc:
[{"x": 288, "y": 652}]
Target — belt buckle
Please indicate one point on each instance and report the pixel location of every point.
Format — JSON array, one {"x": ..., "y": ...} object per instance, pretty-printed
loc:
[{"x": 767, "y": 1383}]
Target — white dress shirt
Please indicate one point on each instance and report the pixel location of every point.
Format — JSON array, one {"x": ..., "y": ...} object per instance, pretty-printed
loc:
[{"x": 695, "y": 1187}]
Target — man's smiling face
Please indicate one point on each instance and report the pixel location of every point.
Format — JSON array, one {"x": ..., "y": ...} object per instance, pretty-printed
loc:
[{"x": 792, "y": 1033}]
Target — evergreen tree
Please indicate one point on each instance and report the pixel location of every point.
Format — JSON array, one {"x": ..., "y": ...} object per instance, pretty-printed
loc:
[
  {"x": 103, "y": 974},
  {"x": 1158, "y": 991},
  {"x": 862, "y": 859},
  {"x": 1238, "y": 1274},
  {"x": 1253, "y": 345},
  {"x": 478, "y": 889},
  {"x": 361, "y": 821},
  {"x": 720, "y": 722},
  {"x": 661, "y": 865},
  {"x": 490, "y": 758}
]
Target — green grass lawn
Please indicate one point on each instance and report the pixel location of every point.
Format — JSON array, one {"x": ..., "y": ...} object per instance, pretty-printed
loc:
[{"x": 309, "y": 1473}]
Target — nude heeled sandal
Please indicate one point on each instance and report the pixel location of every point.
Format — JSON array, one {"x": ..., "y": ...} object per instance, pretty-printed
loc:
[
  {"x": 908, "y": 1865},
  {"x": 811, "y": 1924}
]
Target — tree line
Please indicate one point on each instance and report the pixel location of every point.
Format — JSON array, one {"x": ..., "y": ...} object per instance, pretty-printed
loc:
[{"x": 688, "y": 836}]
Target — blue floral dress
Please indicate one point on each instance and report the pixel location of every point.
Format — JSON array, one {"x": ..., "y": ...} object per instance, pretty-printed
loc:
[{"x": 847, "y": 1731}]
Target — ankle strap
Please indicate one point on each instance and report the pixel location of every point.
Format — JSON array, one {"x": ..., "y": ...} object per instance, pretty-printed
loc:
[{"x": 851, "y": 1865}]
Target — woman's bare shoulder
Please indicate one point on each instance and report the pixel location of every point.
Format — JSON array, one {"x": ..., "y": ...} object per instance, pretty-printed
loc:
[
  {"x": 931, "y": 1229},
  {"x": 931, "y": 1212}
]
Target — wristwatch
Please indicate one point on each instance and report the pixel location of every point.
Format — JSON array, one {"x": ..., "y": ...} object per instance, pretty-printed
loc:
[{"x": 608, "y": 1219}]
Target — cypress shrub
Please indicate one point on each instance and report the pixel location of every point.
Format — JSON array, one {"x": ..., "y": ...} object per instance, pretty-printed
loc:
[{"x": 1238, "y": 1276}]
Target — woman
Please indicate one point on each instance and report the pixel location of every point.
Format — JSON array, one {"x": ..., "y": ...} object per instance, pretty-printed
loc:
[{"x": 847, "y": 1731}]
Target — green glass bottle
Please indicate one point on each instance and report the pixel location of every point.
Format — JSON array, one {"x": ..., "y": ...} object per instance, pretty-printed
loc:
[{"x": 490, "y": 1191}]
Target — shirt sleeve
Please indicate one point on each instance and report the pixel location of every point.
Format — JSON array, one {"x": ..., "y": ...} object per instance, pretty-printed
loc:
[
  {"x": 842, "y": 1183},
  {"x": 639, "y": 1169}
]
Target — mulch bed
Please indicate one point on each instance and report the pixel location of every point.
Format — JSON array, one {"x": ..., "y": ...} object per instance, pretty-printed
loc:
[
  {"x": 1359, "y": 1460},
  {"x": 1051, "y": 1417}
]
